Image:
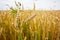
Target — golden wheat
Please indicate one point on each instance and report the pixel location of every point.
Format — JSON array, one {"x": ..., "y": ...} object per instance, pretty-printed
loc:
[{"x": 30, "y": 25}]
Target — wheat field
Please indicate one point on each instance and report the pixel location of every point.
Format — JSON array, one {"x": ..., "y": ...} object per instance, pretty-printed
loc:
[{"x": 30, "y": 25}]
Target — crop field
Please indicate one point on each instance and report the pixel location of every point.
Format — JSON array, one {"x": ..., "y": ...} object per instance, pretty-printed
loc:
[{"x": 30, "y": 25}]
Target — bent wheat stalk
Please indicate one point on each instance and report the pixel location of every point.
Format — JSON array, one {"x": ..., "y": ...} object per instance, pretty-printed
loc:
[{"x": 29, "y": 18}]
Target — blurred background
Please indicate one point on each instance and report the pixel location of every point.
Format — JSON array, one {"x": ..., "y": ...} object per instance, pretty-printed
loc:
[{"x": 28, "y": 4}]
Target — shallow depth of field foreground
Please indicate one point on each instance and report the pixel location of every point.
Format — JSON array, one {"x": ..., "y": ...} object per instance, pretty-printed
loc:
[{"x": 30, "y": 25}]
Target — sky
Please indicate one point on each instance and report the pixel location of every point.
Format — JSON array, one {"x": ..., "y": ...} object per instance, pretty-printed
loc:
[{"x": 28, "y": 4}]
